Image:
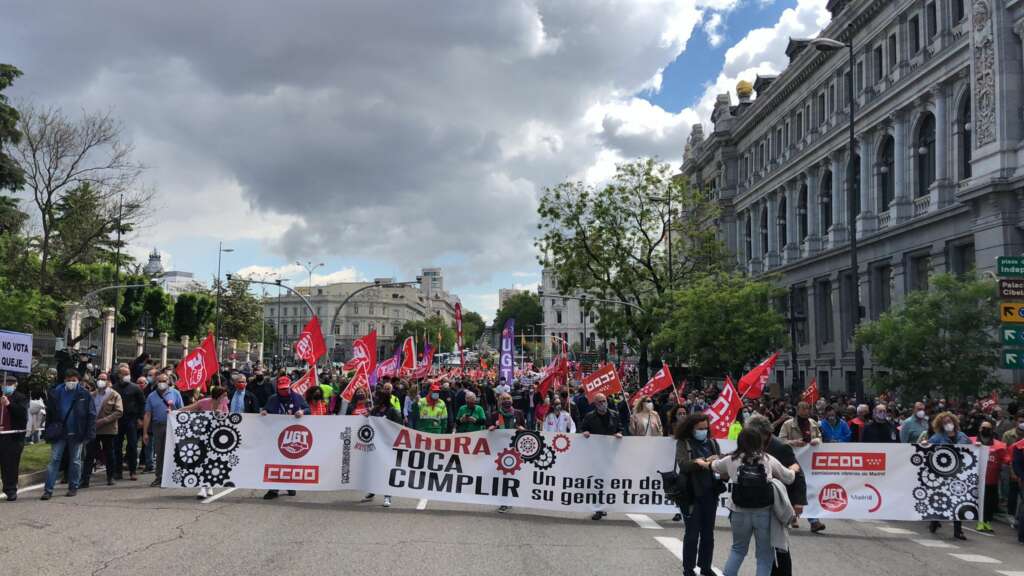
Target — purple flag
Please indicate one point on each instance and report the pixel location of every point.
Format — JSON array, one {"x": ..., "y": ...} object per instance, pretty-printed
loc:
[{"x": 507, "y": 363}]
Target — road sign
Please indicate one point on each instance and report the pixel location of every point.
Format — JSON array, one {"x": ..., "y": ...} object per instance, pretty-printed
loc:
[
  {"x": 1011, "y": 312},
  {"x": 1013, "y": 288},
  {"x": 1013, "y": 359},
  {"x": 1011, "y": 335},
  {"x": 1012, "y": 266}
]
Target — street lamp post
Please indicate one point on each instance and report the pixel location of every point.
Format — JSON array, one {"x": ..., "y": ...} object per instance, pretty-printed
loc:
[
  {"x": 337, "y": 311},
  {"x": 830, "y": 45},
  {"x": 309, "y": 270},
  {"x": 220, "y": 288}
]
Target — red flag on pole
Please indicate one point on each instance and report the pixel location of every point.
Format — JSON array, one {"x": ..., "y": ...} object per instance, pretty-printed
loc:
[
  {"x": 554, "y": 375},
  {"x": 306, "y": 382},
  {"x": 989, "y": 403},
  {"x": 408, "y": 355},
  {"x": 752, "y": 384},
  {"x": 359, "y": 380},
  {"x": 604, "y": 381},
  {"x": 311, "y": 346},
  {"x": 198, "y": 367},
  {"x": 364, "y": 351},
  {"x": 811, "y": 394},
  {"x": 724, "y": 411},
  {"x": 661, "y": 380}
]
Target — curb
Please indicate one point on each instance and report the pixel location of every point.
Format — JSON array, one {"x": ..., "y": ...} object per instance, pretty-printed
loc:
[{"x": 32, "y": 478}]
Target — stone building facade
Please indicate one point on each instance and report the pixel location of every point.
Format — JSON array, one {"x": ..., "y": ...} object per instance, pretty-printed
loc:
[{"x": 937, "y": 168}]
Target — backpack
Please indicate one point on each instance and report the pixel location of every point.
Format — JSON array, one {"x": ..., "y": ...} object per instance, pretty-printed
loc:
[{"x": 751, "y": 488}]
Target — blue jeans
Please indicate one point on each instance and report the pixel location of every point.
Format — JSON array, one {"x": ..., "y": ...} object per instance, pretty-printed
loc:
[
  {"x": 74, "y": 449},
  {"x": 756, "y": 522}
]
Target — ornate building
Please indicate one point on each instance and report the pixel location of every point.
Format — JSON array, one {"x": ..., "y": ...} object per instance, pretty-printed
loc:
[{"x": 937, "y": 172}]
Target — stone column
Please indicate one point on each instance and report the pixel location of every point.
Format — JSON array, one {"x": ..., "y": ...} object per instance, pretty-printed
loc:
[
  {"x": 814, "y": 232},
  {"x": 755, "y": 237},
  {"x": 867, "y": 220},
  {"x": 792, "y": 252},
  {"x": 248, "y": 351},
  {"x": 140, "y": 338},
  {"x": 941, "y": 191},
  {"x": 163, "y": 348},
  {"x": 108, "y": 339},
  {"x": 233, "y": 346},
  {"x": 259, "y": 352},
  {"x": 772, "y": 257},
  {"x": 901, "y": 207},
  {"x": 184, "y": 345},
  {"x": 838, "y": 200}
]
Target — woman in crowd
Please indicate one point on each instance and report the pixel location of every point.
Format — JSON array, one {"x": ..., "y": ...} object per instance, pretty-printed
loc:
[
  {"x": 946, "y": 430},
  {"x": 696, "y": 451},
  {"x": 749, "y": 471},
  {"x": 315, "y": 399},
  {"x": 645, "y": 421},
  {"x": 998, "y": 455},
  {"x": 559, "y": 420}
]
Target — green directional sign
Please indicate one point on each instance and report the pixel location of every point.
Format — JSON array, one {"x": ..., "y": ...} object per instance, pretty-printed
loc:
[
  {"x": 1010, "y": 266},
  {"x": 1011, "y": 335},
  {"x": 1013, "y": 359}
]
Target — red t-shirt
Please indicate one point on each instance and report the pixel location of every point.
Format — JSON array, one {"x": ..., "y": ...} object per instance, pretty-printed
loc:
[{"x": 998, "y": 454}]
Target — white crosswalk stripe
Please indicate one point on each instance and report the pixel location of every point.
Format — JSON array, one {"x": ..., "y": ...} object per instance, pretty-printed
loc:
[
  {"x": 891, "y": 530},
  {"x": 422, "y": 504},
  {"x": 935, "y": 544},
  {"x": 977, "y": 558},
  {"x": 218, "y": 495},
  {"x": 644, "y": 521}
]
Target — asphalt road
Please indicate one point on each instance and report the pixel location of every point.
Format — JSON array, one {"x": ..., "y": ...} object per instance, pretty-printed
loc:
[{"x": 133, "y": 529}]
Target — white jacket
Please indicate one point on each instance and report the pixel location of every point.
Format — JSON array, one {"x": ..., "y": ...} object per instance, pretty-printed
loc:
[
  {"x": 782, "y": 513},
  {"x": 560, "y": 423}
]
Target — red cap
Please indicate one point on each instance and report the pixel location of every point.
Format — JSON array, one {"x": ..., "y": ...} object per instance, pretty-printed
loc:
[
  {"x": 435, "y": 387},
  {"x": 284, "y": 382}
]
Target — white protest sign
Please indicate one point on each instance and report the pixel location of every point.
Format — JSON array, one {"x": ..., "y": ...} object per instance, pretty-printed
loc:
[{"x": 15, "y": 352}]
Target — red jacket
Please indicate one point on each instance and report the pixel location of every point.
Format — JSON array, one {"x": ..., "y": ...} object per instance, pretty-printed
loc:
[{"x": 998, "y": 454}]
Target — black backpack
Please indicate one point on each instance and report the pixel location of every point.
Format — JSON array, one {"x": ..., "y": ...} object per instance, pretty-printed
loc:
[{"x": 751, "y": 488}]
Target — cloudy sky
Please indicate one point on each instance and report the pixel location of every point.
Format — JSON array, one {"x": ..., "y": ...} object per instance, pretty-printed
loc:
[{"x": 382, "y": 136}]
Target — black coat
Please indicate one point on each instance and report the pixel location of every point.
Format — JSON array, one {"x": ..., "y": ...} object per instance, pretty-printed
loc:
[
  {"x": 19, "y": 411},
  {"x": 133, "y": 400},
  {"x": 783, "y": 452},
  {"x": 883, "y": 432},
  {"x": 607, "y": 425}
]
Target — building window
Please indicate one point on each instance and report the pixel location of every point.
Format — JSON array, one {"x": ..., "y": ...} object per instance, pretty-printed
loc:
[
  {"x": 831, "y": 98},
  {"x": 846, "y": 88},
  {"x": 879, "y": 63},
  {"x": 887, "y": 174},
  {"x": 558, "y": 316},
  {"x": 964, "y": 126},
  {"x": 782, "y": 220},
  {"x": 920, "y": 266},
  {"x": 799, "y": 294},
  {"x": 799, "y": 125},
  {"x": 355, "y": 308},
  {"x": 892, "y": 52},
  {"x": 915, "y": 34},
  {"x": 825, "y": 204},
  {"x": 845, "y": 294},
  {"x": 821, "y": 108},
  {"x": 860, "y": 76},
  {"x": 802, "y": 231},
  {"x": 823, "y": 384},
  {"x": 355, "y": 328},
  {"x": 823, "y": 310},
  {"x": 959, "y": 13},
  {"x": 764, "y": 230},
  {"x": 855, "y": 189},
  {"x": 932, "y": 20},
  {"x": 962, "y": 256},
  {"x": 748, "y": 237},
  {"x": 881, "y": 297},
  {"x": 925, "y": 154}
]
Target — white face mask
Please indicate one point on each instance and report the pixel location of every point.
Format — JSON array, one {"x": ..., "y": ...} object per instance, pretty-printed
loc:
[
  {"x": 101, "y": 384},
  {"x": 1020, "y": 426},
  {"x": 649, "y": 405},
  {"x": 71, "y": 384},
  {"x": 161, "y": 386},
  {"x": 920, "y": 414},
  {"x": 126, "y": 378},
  {"x": 949, "y": 426}
]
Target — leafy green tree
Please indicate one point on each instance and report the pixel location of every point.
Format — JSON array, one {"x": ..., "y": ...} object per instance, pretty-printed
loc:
[
  {"x": 193, "y": 315},
  {"x": 939, "y": 341},
  {"x": 472, "y": 327},
  {"x": 23, "y": 310},
  {"x": 241, "y": 311},
  {"x": 428, "y": 329},
  {"x": 721, "y": 324},
  {"x": 148, "y": 302},
  {"x": 612, "y": 243},
  {"x": 525, "y": 308},
  {"x": 11, "y": 175}
]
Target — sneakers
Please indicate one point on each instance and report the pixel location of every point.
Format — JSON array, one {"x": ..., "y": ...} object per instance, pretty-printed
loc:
[
  {"x": 387, "y": 501},
  {"x": 985, "y": 527},
  {"x": 202, "y": 494},
  {"x": 291, "y": 492},
  {"x": 270, "y": 495},
  {"x": 677, "y": 517},
  {"x": 46, "y": 496},
  {"x": 72, "y": 492},
  {"x": 155, "y": 483},
  {"x": 368, "y": 497},
  {"x": 12, "y": 497},
  {"x": 817, "y": 526},
  {"x": 503, "y": 509},
  {"x": 598, "y": 515}
]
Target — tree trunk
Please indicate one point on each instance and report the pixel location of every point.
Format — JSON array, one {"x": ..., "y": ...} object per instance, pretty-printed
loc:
[{"x": 642, "y": 367}]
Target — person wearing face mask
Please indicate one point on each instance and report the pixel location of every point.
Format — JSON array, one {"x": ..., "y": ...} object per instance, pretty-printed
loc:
[
  {"x": 644, "y": 421},
  {"x": 881, "y": 429},
  {"x": 432, "y": 412},
  {"x": 359, "y": 406},
  {"x": 917, "y": 424},
  {"x": 558, "y": 419},
  {"x": 382, "y": 408},
  {"x": 834, "y": 428},
  {"x": 72, "y": 404},
  {"x": 471, "y": 416},
  {"x": 506, "y": 416},
  {"x": 998, "y": 455},
  {"x": 109, "y": 409},
  {"x": 946, "y": 430},
  {"x": 160, "y": 402},
  {"x": 316, "y": 401},
  {"x": 13, "y": 422},
  {"x": 696, "y": 451},
  {"x": 602, "y": 421},
  {"x": 133, "y": 402},
  {"x": 285, "y": 402},
  {"x": 857, "y": 423},
  {"x": 242, "y": 401}
]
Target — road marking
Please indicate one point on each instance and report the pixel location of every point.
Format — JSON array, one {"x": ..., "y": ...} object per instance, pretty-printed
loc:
[
  {"x": 644, "y": 521},
  {"x": 674, "y": 545},
  {"x": 1011, "y": 572},
  {"x": 25, "y": 489},
  {"x": 935, "y": 544},
  {"x": 979, "y": 533},
  {"x": 891, "y": 530},
  {"x": 422, "y": 504},
  {"x": 219, "y": 495},
  {"x": 976, "y": 558}
]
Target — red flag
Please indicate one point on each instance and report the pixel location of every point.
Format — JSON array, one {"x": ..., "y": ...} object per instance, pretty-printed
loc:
[
  {"x": 752, "y": 384},
  {"x": 408, "y": 355},
  {"x": 196, "y": 369},
  {"x": 661, "y": 380},
  {"x": 604, "y": 381},
  {"x": 310, "y": 346},
  {"x": 364, "y": 351},
  {"x": 989, "y": 403},
  {"x": 305, "y": 383},
  {"x": 483, "y": 363},
  {"x": 359, "y": 380},
  {"x": 724, "y": 411},
  {"x": 554, "y": 375},
  {"x": 811, "y": 394}
]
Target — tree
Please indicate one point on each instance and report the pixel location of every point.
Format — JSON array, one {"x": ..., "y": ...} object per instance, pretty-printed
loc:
[
  {"x": 193, "y": 315},
  {"x": 940, "y": 341},
  {"x": 472, "y": 327},
  {"x": 525, "y": 308},
  {"x": 59, "y": 155},
  {"x": 240, "y": 311},
  {"x": 721, "y": 324},
  {"x": 11, "y": 175},
  {"x": 148, "y": 302},
  {"x": 428, "y": 329},
  {"x": 612, "y": 243},
  {"x": 23, "y": 310}
]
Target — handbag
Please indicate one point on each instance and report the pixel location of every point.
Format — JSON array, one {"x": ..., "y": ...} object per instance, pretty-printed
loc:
[
  {"x": 677, "y": 486},
  {"x": 54, "y": 431}
]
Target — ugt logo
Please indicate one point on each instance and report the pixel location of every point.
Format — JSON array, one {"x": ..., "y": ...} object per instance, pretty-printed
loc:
[
  {"x": 304, "y": 345},
  {"x": 196, "y": 369},
  {"x": 295, "y": 441}
]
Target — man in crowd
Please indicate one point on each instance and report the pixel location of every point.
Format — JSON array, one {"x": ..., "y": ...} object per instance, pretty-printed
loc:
[
  {"x": 858, "y": 423},
  {"x": 471, "y": 417},
  {"x": 73, "y": 404},
  {"x": 604, "y": 422},
  {"x": 159, "y": 404},
  {"x": 134, "y": 404},
  {"x": 242, "y": 400},
  {"x": 915, "y": 425},
  {"x": 432, "y": 413},
  {"x": 881, "y": 428},
  {"x": 834, "y": 428},
  {"x": 1012, "y": 437},
  {"x": 284, "y": 402},
  {"x": 13, "y": 422}
]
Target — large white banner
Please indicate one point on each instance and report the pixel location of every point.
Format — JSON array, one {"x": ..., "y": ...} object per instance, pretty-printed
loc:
[{"x": 543, "y": 470}]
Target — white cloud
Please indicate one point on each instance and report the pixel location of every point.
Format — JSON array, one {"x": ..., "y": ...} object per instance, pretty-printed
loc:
[
  {"x": 485, "y": 304},
  {"x": 525, "y": 274},
  {"x": 712, "y": 27},
  {"x": 529, "y": 286},
  {"x": 296, "y": 274}
]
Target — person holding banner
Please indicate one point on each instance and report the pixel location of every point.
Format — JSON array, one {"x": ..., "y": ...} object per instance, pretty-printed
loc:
[
  {"x": 604, "y": 422},
  {"x": 431, "y": 412},
  {"x": 284, "y": 402},
  {"x": 471, "y": 416},
  {"x": 559, "y": 420},
  {"x": 382, "y": 408},
  {"x": 159, "y": 404},
  {"x": 242, "y": 400},
  {"x": 946, "y": 430},
  {"x": 834, "y": 428},
  {"x": 696, "y": 451},
  {"x": 13, "y": 422},
  {"x": 506, "y": 416}
]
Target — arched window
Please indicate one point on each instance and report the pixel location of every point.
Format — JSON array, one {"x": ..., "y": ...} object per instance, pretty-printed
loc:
[
  {"x": 782, "y": 220},
  {"x": 886, "y": 173},
  {"x": 825, "y": 205},
  {"x": 925, "y": 154},
  {"x": 764, "y": 230},
  {"x": 801, "y": 211},
  {"x": 964, "y": 126}
]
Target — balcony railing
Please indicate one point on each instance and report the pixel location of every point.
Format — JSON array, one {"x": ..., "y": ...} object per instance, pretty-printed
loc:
[
  {"x": 884, "y": 219},
  {"x": 922, "y": 205}
]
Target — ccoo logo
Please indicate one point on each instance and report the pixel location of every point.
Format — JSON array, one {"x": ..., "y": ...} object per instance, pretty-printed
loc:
[
  {"x": 295, "y": 441},
  {"x": 833, "y": 498}
]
